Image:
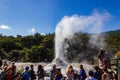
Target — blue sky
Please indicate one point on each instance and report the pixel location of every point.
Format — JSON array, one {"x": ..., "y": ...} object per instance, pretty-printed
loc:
[{"x": 26, "y": 17}]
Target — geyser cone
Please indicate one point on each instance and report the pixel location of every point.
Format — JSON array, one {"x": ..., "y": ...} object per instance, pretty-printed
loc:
[{"x": 60, "y": 63}]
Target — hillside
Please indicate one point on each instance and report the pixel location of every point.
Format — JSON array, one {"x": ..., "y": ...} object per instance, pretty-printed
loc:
[
  {"x": 37, "y": 47},
  {"x": 113, "y": 41}
]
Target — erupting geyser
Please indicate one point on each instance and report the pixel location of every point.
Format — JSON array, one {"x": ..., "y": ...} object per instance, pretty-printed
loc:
[
  {"x": 65, "y": 31},
  {"x": 69, "y": 25}
]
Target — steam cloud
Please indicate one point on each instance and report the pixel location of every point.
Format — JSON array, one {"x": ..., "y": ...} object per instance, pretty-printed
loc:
[{"x": 69, "y": 25}]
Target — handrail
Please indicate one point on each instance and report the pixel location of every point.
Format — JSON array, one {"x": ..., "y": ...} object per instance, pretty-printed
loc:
[{"x": 115, "y": 64}]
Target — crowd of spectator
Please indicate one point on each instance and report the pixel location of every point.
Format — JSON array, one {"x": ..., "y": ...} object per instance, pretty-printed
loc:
[
  {"x": 100, "y": 72},
  {"x": 8, "y": 72}
]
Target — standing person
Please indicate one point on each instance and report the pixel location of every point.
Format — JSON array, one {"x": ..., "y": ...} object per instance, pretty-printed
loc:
[
  {"x": 25, "y": 75},
  {"x": 119, "y": 71},
  {"x": 106, "y": 75},
  {"x": 52, "y": 72},
  {"x": 68, "y": 72},
  {"x": 4, "y": 64},
  {"x": 100, "y": 58},
  {"x": 13, "y": 68},
  {"x": 9, "y": 73},
  {"x": 40, "y": 72},
  {"x": 4, "y": 73},
  {"x": 75, "y": 76},
  {"x": 32, "y": 72},
  {"x": 58, "y": 75},
  {"x": 0, "y": 62},
  {"x": 97, "y": 73},
  {"x": 103, "y": 58},
  {"x": 90, "y": 76},
  {"x": 82, "y": 72}
]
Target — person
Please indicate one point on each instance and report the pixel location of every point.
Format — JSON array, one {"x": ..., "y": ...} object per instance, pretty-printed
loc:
[
  {"x": 40, "y": 72},
  {"x": 58, "y": 75},
  {"x": 90, "y": 76},
  {"x": 25, "y": 75},
  {"x": 16, "y": 77},
  {"x": 97, "y": 73},
  {"x": 75, "y": 76},
  {"x": 106, "y": 75},
  {"x": 52, "y": 72},
  {"x": 119, "y": 71},
  {"x": 0, "y": 62},
  {"x": 4, "y": 64},
  {"x": 4, "y": 73},
  {"x": 82, "y": 72},
  {"x": 103, "y": 58},
  {"x": 32, "y": 72},
  {"x": 9, "y": 73},
  {"x": 13, "y": 69},
  {"x": 68, "y": 72}
]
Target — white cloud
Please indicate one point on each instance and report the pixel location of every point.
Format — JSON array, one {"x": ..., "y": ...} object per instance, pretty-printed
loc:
[
  {"x": 4, "y": 27},
  {"x": 43, "y": 33},
  {"x": 32, "y": 30}
]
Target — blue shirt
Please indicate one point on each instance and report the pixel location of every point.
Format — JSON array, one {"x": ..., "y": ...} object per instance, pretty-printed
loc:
[
  {"x": 83, "y": 74},
  {"x": 26, "y": 75}
]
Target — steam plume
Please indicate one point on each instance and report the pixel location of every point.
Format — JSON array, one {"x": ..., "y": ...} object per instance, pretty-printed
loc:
[{"x": 69, "y": 25}]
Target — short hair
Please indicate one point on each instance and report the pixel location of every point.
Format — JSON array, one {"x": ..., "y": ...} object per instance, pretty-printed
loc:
[
  {"x": 31, "y": 65},
  {"x": 90, "y": 73},
  {"x": 27, "y": 68},
  {"x": 39, "y": 67},
  {"x": 59, "y": 69},
  {"x": 54, "y": 66},
  {"x": 96, "y": 67},
  {"x": 81, "y": 66}
]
